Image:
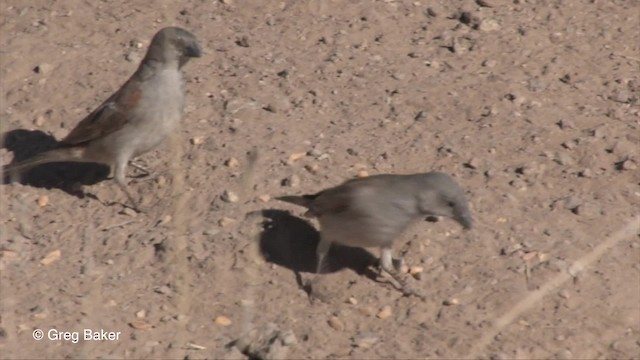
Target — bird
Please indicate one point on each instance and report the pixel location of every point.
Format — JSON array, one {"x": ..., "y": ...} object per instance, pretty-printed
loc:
[
  {"x": 373, "y": 211},
  {"x": 133, "y": 120}
]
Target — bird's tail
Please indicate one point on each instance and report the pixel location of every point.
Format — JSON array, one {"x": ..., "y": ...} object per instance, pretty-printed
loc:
[
  {"x": 72, "y": 154},
  {"x": 303, "y": 200}
]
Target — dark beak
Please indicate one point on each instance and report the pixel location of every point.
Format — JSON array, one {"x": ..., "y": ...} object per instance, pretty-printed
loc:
[
  {"x": 193, "y": 50},
  {"x": 465, "y": 220}
]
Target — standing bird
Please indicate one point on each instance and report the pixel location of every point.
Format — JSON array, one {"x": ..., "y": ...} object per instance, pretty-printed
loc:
[
  {"x": 374, "y": 211},
  {"x": 136, "y": 118}
]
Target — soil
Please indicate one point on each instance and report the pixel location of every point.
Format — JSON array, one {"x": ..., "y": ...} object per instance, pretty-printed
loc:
[{"x": 533, "y": 106}]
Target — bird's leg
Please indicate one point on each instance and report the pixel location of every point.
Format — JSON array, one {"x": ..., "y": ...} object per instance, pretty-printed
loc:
[
  {"x": 119, "y": 177},
  {"x": 145, "y": 171},
  {"x": 321, "y": 253},
  {"x": 387, "y": 264}
]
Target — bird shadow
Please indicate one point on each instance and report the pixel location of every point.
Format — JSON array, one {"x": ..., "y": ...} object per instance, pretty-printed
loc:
[
  {"x": 65, "y": 176},
  {"x": 291, "y": 242}
]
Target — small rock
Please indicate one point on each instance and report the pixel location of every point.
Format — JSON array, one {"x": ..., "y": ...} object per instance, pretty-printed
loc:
[
  {"x": 451, "y": 302},
  {"x": 416, "y": 271},
  {"x": 489, "y": 63},
  {"x": 585, "y": 173},
  {"x": 232, "y": 162},
  {"x": 485, "y": 3},
  {"x": 43, "y": 200},
  {"x": 312, "y": 168},
  {"x": 473, "y": 163},
  {"x": 226, "y": 222},
  {"x": 295, "y": 157},
  {"x": 588, "y": 209},
  {"x": 140, "y": 325},
  {"x": 628, "y": 164},
  {"x": 364, "y": 341},
  {"x": 563, "y": 158},
  {"x": 197, "y": 140},
  {"x": 518, "y": 184},
  {"x": 336, "y": 323},
  {"x": 211, "y": 232},
  {"x": 352, "y": 300},
  {"x": 385, "y": 312},
  {"x": 51, "y": 257},
  {"x": 291, "y": 181},
  {"x": 39, "y": 121},
  {"x": 42, "y": 69},
  {"x": 488, "y": 25},
  {"x": 141, "y": 314},
  {"x": 264, "y": 197},
  {"x": 564, "y": 293},
  {"x": 229, "y": 196},
  {"x": 129, "y": 212},
  {"x": 222, "y": 320},
  {"x": 161, "y": 181},
  {"x": 362, "y": 173},
  {"x": 565, "y": 124}
]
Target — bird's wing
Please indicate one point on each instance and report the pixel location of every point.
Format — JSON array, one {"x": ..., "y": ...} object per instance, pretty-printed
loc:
[{"x": 109, "y": 117}]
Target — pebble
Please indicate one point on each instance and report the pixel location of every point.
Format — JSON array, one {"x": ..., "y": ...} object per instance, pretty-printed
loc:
[
  {"x": 485, "y": 3},
  {"x": 264, "y": 197},
  {"x": 336, "y": 323},
  {"x": 291, "y": 181},
  {"x": 564, "y": 293},
  {"x": 232, "y": 162},
  {"x": 473, "y": 163},
  {"x": 488, "y": 25},
  {"x": 295, "y": 157},
  {"x": 129, "y": 211},
  {"x": 42, "y": 69},
  {"x": 140, "y": 325},
  {"x": 362, "y": 173},
  {"x": 197, "y": 140},
  {"x": 312, "y": 168},
  {"x": 416, "y": 271},
  {"x": 489, "y": 63},
  {"x": 451, "y": 302},
  {"x": 229, "y": 196},
  {"x": 39, "y": 121},
  {"x": 385, "y": 312},
  {"x": 211, "y": 232},
  {"x": 51, "y": 257},
  {"x": 565, "y": 124},
  {"x": 226, "y": 221},
  {"x": 589, "y": 209},
  {"x": 222, "y": 320},
  {"x": 364, "y": 341},
  {"x": 43, "y": 200},
  {"x": 141, "y": 314},
  {"x": 628, "y": 164},
  {"x": 352, "y": 300}
]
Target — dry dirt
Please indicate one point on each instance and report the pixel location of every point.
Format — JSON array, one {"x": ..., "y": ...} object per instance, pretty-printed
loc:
[{"x": 533, "y": 105}]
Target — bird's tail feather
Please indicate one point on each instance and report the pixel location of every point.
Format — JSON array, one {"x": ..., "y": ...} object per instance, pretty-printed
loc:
[{"x": 72, "y": 154}]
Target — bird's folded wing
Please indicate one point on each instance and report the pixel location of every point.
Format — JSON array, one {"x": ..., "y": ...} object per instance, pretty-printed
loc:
[{"x": 109, "y": 117}]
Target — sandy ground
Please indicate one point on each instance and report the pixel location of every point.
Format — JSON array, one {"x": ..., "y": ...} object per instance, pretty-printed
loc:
[{"x": 533, "y": 105}]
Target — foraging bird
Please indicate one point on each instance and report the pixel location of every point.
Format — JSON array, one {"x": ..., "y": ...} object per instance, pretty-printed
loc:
[
  {"x": 374, "y": 211},
  {"x": 136, "y": 118}
]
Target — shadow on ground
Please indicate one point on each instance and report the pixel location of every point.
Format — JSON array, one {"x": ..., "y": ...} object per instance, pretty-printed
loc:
[
  {"x": 291, "y": 242},
  {"x": 65, "y": 176}
]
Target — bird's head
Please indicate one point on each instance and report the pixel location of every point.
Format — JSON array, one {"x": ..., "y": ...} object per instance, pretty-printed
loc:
[
  {"x": 174, "y": 44},
  {"x": 442, "y": 196}
]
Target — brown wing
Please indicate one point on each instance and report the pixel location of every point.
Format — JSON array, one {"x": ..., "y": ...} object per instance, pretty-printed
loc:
[{"x": 109, "y": 117}]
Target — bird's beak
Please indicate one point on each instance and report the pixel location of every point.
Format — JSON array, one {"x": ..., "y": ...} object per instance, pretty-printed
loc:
[
  {"x": 465, "y": 220},
  {"x": 193, "y": 50}
]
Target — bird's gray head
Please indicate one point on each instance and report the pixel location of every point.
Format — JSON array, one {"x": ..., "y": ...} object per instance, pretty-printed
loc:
[
  {"x": 442, "y": 196},
  {"x": 173, "y": 44}
]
